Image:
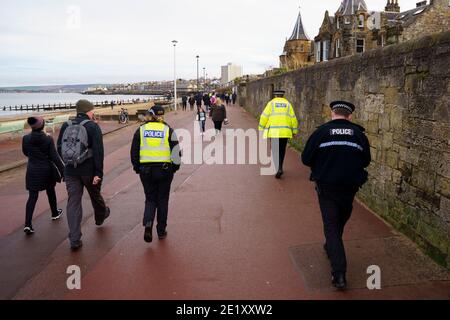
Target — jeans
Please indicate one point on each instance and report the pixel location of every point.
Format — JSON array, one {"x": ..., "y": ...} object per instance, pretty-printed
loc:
[{"x": 31, "y": 204}]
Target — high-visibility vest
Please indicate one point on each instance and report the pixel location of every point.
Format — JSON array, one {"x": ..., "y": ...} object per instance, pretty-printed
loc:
[
  {"x": 278, "y": 119},
  {"x": 155, "y": 145}
]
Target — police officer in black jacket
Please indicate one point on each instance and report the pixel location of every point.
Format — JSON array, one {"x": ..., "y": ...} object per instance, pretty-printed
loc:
[
  {"x": 338, "y": 153},
  {"x": 155, "y": 156}
]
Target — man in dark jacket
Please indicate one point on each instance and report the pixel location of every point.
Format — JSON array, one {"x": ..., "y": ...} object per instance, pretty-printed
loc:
[
  {"x": 88, "y": 174},
  {"x": 184, "y": 100},
  {"x": 155, "y": 156},
  {"x": 199, "y": 99},
  {"x": 337, "y": 153}
]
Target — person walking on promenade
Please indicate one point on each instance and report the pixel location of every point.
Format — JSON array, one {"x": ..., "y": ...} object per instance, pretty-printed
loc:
[
  {"x": 234, "y": 98},
  {"x": 227, "y": 99},
  {"x": 184, "y": 102},
  {"x": 338, "y": 153},
  {"x": 207, "y": 101},
  {"x": 218, "y": 114},
  {"x": 191, "y": 102},
  {"x": 279, "y": 123},
  {"x": 199, "y": 99},
  {"x": 201, "y": 118},
  {"x": 80, "y": 144},
  {"x": 156, "y": 157},
  {"x": 44, "y": 170}
]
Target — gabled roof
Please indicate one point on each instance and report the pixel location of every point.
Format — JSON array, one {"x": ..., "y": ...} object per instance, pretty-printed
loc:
[
  {"x": 408, "y": 17},
  {"x": 299, "y": 31},
  {"x": 349, "y": 7}
]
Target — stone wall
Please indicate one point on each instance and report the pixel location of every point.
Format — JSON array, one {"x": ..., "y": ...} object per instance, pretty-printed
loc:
[{"x": 402, "y": 94}]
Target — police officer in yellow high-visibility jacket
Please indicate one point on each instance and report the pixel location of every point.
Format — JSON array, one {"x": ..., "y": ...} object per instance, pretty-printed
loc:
[
  {"x": 279, "y": 123},
  {"x": 155, "y": 156}
]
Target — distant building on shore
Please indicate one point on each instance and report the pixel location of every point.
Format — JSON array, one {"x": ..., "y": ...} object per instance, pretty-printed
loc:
[
  {"x": 230, "y": 72},
  {"x": 355, "y": 29},
  {"x": 297, "y": 49}
]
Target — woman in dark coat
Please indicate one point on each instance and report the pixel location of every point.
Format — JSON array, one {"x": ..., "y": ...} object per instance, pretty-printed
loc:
[
  {"x": 218, "y": 114},
  {"x": 41, "y": 175}
]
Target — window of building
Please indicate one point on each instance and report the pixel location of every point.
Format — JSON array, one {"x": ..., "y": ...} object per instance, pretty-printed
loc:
[
  {"x": 360, "y": 45},
  {"x": 317, "y": 46},
  {"x": 361, "y": 21},
  {"x": 302, "y": 48},
  {"x": 347, "y": 20},
  {"x": 337, "y": 23},
  {"x": 326, "y": 50},
  {"x": 338, "y": 48},
  {"x": 383, "y": 40}
]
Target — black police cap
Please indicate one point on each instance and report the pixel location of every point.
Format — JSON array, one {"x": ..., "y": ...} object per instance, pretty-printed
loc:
[
  {"x": 279, "y": 92},
  {"x": 350, "y": 107},
  {"x": 156, "y": 111}
]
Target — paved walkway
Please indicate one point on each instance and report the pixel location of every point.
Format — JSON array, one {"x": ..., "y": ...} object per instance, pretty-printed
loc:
[{"x": 233, "y": 234}]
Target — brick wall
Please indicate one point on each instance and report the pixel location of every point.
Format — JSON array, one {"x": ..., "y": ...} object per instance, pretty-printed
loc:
[{"x": 402, "y": 94}]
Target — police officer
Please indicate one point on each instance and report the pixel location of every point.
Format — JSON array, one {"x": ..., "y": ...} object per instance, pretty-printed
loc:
[
  {"x": 337, "y": 153},
  {"x": 279, "y": 123},
  {"x": 155, "y": 156}
]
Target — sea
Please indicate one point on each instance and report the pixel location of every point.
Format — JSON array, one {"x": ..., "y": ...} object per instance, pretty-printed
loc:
[{"x": 35, "y": 98}]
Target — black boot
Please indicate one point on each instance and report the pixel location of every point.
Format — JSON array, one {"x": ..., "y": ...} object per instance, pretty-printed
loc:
[
  {"x": 162, "y": 236},
  {"x": 279, "y": 174},
  {"x": 339, "y": 281},
  {"x": 148, "y": 237}
]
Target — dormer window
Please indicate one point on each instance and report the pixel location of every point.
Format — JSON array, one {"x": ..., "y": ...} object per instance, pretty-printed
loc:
[{"x": 361, "y": 21}]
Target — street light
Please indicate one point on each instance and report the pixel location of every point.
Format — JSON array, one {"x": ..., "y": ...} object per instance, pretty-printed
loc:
[
  {"x": 175, "y": 73},
  {"x": 198, "y": 86},
  {"x": 204, "y": 78}
]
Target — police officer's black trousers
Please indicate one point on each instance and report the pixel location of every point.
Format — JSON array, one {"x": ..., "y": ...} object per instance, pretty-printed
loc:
[
  {"x": 156, "y": 181},
  {"x": 336, "y": 205},
  {"x": 279, "y": 144}
]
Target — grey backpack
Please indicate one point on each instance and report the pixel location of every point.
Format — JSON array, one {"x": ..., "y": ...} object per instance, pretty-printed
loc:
[{"x": 75, "y": 142}]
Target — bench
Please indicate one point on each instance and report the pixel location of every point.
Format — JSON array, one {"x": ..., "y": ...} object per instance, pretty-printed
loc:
[
  {"x": 13, "y": 127},
  {"x": 58, "y": 120}
]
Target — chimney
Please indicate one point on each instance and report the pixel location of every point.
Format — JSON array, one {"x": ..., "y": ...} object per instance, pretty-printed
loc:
[{"x": 421, "y": 4}]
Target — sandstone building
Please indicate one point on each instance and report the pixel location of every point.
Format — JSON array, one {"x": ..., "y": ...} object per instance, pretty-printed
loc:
[
  {"x": 355, "y": 29},
  {"x": 297, "y": 48}
]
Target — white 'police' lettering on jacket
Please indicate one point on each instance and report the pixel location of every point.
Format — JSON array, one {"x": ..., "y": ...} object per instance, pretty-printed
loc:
[
  {"x": 154, "y": 134},
  {"x": 341, "y": 132}
]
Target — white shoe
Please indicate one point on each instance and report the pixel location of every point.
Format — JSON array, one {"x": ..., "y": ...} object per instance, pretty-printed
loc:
[
  {"x": 28, "y": 230},
  {"x": 60, "y": 212}
]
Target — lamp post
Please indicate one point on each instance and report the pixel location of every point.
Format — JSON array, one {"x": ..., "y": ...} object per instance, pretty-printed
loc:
[
  {"x": 175, "y": 73},
  {"x": 204, "y": 78},
  {"x": 198, "y": 86}
]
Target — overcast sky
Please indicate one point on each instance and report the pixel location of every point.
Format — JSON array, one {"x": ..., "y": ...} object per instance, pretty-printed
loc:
[{"x": 110, "y": 41}]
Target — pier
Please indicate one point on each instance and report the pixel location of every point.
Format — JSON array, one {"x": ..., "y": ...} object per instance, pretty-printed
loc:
[{"x": 69, "y": 106}]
